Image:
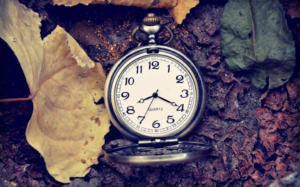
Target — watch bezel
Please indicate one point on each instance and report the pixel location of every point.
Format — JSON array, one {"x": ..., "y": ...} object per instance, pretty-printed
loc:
[{"x": 142, "y": 51}]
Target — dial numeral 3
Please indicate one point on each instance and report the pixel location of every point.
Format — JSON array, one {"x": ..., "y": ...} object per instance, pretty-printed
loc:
[{"x": 186, "y": 92}]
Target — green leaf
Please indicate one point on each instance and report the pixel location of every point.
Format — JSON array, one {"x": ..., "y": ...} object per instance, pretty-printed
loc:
[{"x": 255, "y": 38}]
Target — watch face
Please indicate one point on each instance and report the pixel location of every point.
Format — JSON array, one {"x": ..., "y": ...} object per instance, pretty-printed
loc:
[{"x": 154, "y": 95}]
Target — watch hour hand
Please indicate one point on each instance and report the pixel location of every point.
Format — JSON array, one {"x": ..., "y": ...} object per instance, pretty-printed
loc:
[
  {"x": 172, "y": 103},
  {"x": 142, "y": 100},
  {"x": 153, "y": 95}
]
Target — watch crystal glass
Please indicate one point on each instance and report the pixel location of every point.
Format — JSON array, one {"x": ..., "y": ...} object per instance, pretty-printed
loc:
[{"x": 155, "y": 95}]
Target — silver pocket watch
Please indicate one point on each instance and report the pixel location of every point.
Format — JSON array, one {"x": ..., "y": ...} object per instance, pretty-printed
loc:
[{"x": 155, "y": 95}]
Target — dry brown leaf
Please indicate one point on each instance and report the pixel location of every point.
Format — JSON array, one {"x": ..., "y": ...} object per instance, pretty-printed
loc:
[
  {"x": 137, "y": 3},
  {"x": 73, "y": 2},
  {"x": 178, "y": 8},
  {"x": 66, "y": 127},
  {"x": 182, "y": 8},
  {"x": 85, "y": 34}
]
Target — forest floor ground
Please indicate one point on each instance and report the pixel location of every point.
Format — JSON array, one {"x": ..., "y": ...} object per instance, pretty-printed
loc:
[{"x": 255, "y": 133}]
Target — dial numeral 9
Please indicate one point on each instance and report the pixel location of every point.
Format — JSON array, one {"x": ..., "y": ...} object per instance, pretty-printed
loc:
[
  {"x": 154, "y": 65},
  {"x": 155, "y": 124},
  {"x": 129, "y": 81},
  {"x": 125, "y": 95},
  {"x": 179, "y": 79},
  {"x": 130, "y": 110}
]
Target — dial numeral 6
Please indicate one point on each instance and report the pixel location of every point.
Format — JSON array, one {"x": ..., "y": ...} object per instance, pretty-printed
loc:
[{"x": 155, "y": 124}]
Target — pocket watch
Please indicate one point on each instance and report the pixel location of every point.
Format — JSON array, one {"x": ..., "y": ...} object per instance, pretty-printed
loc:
[{"x": 155, "y": 95}]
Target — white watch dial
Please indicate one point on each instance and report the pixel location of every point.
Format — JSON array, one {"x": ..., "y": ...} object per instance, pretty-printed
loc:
[{"x": 155, "y": 96}]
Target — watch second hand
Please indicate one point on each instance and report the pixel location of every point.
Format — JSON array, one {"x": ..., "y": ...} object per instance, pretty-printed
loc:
[{"x": 149, "y": 106}]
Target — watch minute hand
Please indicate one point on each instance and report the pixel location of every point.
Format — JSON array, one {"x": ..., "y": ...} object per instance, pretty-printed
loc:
[{"x": 172, "y": 103}]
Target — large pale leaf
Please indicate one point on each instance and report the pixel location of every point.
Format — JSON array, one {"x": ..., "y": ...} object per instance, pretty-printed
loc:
[
  {"x": 178, "y": 8},
  {"x": 66, "y": 127},
  {"x": 255, "y": 38}
]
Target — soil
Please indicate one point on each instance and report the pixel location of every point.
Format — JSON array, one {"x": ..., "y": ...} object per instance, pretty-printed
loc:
[{"x": 255, "y": 133}]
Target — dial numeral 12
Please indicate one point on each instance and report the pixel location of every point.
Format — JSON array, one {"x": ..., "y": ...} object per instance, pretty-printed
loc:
[{"x": 154, "y": 65}]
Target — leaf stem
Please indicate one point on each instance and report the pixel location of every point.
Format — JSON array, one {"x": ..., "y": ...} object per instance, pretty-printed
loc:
[{"x": 30, "y": 97}]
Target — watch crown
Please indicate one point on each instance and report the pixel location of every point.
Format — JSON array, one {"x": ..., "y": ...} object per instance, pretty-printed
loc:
[{"x": 151, "y": 19}]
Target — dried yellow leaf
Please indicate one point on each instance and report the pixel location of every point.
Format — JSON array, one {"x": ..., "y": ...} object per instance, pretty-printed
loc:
[
  {"x": 178, "y": 8},
  {"x": 66, "y": 127},
  {"x": 72, "y": 2},
  {"x": 137, "y": 3},
  {"x": 182, "y": 8}
]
